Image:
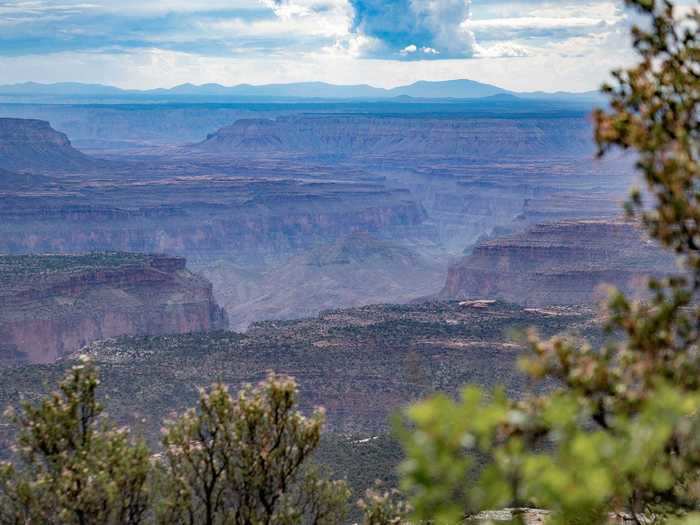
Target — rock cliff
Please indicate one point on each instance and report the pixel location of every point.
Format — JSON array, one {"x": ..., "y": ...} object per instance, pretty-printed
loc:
[
  {"x": 561, "y": 263},
  {"x": 51, "y": 305},
  {"x": 28, "y": 144},
  {"x": 198, "y": 216},
  {"x": 393, "y": 135}
]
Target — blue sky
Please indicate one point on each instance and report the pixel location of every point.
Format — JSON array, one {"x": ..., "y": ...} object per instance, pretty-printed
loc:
[{"x": 517, "y": 44}]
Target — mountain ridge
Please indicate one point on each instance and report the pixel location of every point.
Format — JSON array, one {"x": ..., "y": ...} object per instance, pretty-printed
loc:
[{"x": 422, "y": 89}]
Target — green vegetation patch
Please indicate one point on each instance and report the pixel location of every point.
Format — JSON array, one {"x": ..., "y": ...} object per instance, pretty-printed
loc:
[{"x": 16, "y": 269}]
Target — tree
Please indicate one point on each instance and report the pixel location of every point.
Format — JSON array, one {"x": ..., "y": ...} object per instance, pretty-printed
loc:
[
  {"x": 244, "y": 460},
  {"x": 383, "y": 507},
  {"x": 74, "y": 467},
  {"x": 622, "y": 431},
  {"x": 233, "y": 460}
]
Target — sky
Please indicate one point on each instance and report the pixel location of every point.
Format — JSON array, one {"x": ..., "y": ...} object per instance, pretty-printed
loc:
[{"x": 523, "y": 45}]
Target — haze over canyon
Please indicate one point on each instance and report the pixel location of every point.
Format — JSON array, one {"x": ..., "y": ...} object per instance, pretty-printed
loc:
[
  {"x": 290, "y": 208},
  {"x": 377, "y": 245}
]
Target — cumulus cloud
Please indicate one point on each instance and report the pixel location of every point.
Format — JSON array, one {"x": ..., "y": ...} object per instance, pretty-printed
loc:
[
  {"x": 526, "y": 44},
  {"x": 402, "y": 30},
  {"x": 433, "y": 27}
]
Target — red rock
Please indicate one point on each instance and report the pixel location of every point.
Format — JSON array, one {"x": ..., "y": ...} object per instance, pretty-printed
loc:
[
  {"x": 560, "y": 263},
  {"x": 52, "y": 305}
]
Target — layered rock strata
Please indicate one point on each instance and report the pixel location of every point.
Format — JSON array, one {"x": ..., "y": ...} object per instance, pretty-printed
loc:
[
  {"x": 563, "y": 263},
  {"x": 51, "y": 305},
  {"x": 29, "y": 144}
]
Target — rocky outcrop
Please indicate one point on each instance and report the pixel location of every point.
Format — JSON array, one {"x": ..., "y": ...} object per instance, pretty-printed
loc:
[
  {"x": 28, "y": 144},
  {"x": 558, "y": 263},
  {"x": 51, "y": 305},
  {"x": 388, "y": 135}
]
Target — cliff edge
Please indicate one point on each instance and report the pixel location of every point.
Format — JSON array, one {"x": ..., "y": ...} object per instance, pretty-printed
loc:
[
  {"x": 29, "y": 144},
  {"x": 561, "y": 263},
  {"x": 52, "y": 305}
]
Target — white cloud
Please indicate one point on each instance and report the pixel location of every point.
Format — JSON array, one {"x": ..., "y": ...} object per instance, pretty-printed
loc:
[
  {"x": 157, "y": 68},
  {"x": 501, "y": 50},
  {"x": 521, "y": 45},
  {"x": 535, "y": 23}
]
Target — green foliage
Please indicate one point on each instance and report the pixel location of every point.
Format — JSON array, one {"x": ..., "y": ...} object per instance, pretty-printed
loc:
[
  {"x": 17, "y": 268},
  {"x": 241, "y": 460},
  {"x": 234, "y": 459},
  {"x": 621, "y": 431},
  {"x": 74, "y": 467},
  {"x": 383, "y": 507}
]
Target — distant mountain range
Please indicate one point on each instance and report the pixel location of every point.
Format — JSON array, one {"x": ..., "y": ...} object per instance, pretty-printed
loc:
[{"x": 449, "y": 89}]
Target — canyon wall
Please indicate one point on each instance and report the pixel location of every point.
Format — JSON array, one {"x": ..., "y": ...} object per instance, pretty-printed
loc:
[
  {"x": 52, "y": 305},
  {"x": 253, "y": 205},
  {"x": 200, "y": 217},
  {"x": 397, "y": 135},
  {"x": 27, "y": 144},
  {"x": 559, "y": 263},
  {"x": 355, "y": 270}
]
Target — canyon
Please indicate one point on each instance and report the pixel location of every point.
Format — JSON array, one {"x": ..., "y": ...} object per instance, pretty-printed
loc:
[
  {"x": 358, "y": 269},
  {"x": 292, "y": 209},
  {"x": 53, "y": 305},
  {"x": 378, "y": 252}
]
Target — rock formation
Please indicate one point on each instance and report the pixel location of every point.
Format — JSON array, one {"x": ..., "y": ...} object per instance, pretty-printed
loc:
[
  {"x": 558, "y": 263},
  {"x": 51, "y": 305},
  {"x": 388, "y": 135},
  {"x": 27, "y": 144},
  {"x": 256, "y": 202},
  {"x": 199, "y": 215}
]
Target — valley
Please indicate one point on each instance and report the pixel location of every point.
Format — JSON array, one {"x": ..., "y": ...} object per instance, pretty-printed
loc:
[
  {"x": 376, "y": 252},
  {"x": 256, "y": 196},
  {"x": 333, "y": 262}
]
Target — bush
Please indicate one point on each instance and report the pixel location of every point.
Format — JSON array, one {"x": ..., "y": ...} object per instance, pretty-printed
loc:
[{"x": 241, "y": 459}]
